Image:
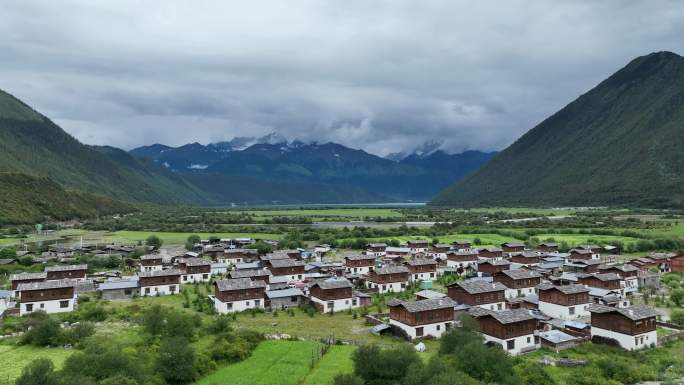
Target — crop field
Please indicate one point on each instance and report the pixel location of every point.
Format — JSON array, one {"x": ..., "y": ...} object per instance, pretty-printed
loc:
[
  {"x": 14, "y": 358},
  {"x": 273, "y": 362},
  {"x": 338, "y": 360}
]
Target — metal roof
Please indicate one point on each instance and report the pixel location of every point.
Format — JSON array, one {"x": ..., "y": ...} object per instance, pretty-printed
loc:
[
  {"x": 477, "y": 287},
  {"x": 239, "y": 284},
  {"x": 556, "y": 336},
  {"x": 115, "y": 285},
  {"x": 45, "y": 285},
  {"x": 290, "y": 292}
]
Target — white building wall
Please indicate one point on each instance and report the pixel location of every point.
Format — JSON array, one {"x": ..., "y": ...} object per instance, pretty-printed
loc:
[
  {"x": 237, "y": 306},
  {"x": 627, "y": 341},
  {"x": 293, "y": 277},
  {"x": 338, "y": 304},
  {"x": 192, "y": 278},
  {"x": 454, "y": 264},
  {"x": 160, "y": 290},
  {"x": 50, "y": 307},
  {"x": 522, "y": 292},
  {"x": 232, "y": 261},
  {"x": 394, "y": 287},
  {"x": 496, "y": 306},
  {"x": 376, "y": 253},
  {"x": 563, "y": 312},
  {"x": 151, "y": 268},
  {"x": 413, "y": 277},
  {"x": 359, "y": 270},
  {"x": 436, "y": 330},
  {"x": 630, "y": 285},
  {"x": 521, "y": 343}
]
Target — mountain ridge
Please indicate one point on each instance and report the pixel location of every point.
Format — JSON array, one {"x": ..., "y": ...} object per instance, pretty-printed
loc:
[{"x": 614, "y": 145}]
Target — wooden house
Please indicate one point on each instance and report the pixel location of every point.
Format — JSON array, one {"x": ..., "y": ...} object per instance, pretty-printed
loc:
[
  {"x": 439, "y": 251},
  {"x": 422, "y": 269},
  {"x": 290, "y": 268},
  {"x": 54, "y": 296},
  {"x": 151, "y": 262},
  {"x": 548, "y": 247},
  {"x": 159, "y": 282},
  {"x": 492, "y": 267},
  {"x": 488, "y": 295},
  {"x": 253, "y": 274},
  {"x": 388, "y": 279},
  {"x": 492, "y": 253},
  {"x": 418, "y": 245},
  {"x": 359, "y": 264},
  {"x": 632, "y": 328},
  {"x": 461, "y": 245},
  {"x": 236, "y": 295},
  {"x": 513, "y": 329},
  {"x": 463, "y": 259},
  {"x": 194, "y": 270},
  {"x": 376, "y": 249},
  {"x": 566, "y": 302},
  {"x": 60, "y": 272},
  {"x": 428, "y": 317},
  {"x": 526, "y": 258},
  {"x": 512, "y": 247},
  {"x": 333, "y": 295},
  {"x": 518, "y": 282}
]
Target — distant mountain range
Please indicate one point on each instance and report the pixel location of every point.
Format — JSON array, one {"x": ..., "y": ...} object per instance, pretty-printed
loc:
[
  {"x": 45, "y": 172},
  {"x": 273, "y": 159},
  {"x": 619, "y": 144}
]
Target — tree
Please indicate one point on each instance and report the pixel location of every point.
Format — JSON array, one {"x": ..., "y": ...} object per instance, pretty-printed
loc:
[
  {"x": 41, "y": 330},
  {"x": 677, "y": 296},
  {"x": 39, "y": 372},
  {"x": 534, "y": 374},
  {"x": 192, "y": 241},
  {"x": 154, "y": 241},
  {"x": 9, "y": 252},
  {"x": 383, "y": 366},
  {"x": 454, "y": 339},
  {"x": 101, "y": 359},
  {"x": 347, "y": 379},
  {"x": 118, "y": 380},
  {"x": 677, "y": 317},
  {"x": 176, "y": 360}
]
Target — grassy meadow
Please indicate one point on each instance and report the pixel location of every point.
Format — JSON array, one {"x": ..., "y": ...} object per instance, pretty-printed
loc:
[{"x": 13, "y": 358}]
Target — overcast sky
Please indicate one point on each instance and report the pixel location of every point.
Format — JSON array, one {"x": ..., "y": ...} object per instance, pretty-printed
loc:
[{"x": 379, "y": 75}]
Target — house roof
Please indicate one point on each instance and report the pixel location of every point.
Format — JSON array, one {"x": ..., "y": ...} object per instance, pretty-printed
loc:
[
  {"x": 461, "y": 242},
  {"x": 491, "y": 249},
  {"x": 277, "y": 263},
  {"x": 421, "y": 262},
  {"x": 239, "y": 284},
  {"x": 194, "y": 261},
  {"x": 477, "y": 287},
  {"x": 361, "y": 257},
  {"x": 625, "y": 268},
  {"x": 424, "y": 305},
  {"x": 526, "y": 254},
  {"x": 391, "y": 270},
  {"x": 248, "y": 273},
  {"x": 521, "y": 274},
  {"x": 331, "y": 284},
  {"x": 66, "y": 268},
  {"x": 604, "y": 277},
  {"x": 513, "y": 244},
  {"x": 159, "y": 273},
  {"x": 27, "y": 276},
  {"x": 556, "y": 336},
  {"x": 45, "y": 285},
  {"x": 391, "y": 249},
  {"x": 581, "y": 251},
  {"x": 471, "y": 253},
  {"x": 548, "y": 244},
  {"x": 290, "y": 292},
  {"x": 377, "y": 245},
  {"x": 565, "y": 289},
  {"x": 418, "y": 241},
  {"x": 504, "y": 316},
  {"x": 430, "y": 294},
  {"x": 498, "y": 262},
  {"x": 275, "y": 256},
  {"x": 120, "y": 284},
  {"x": 247, "y": 265},
  {"x": 635, "y": 313}
]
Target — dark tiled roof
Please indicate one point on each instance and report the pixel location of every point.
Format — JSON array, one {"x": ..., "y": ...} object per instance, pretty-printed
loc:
[
  {"x": 421, "y": 262},
  {"x": 513, "y": 244},
  {"x": 27, "y": 276},
  {"x": 499, "y": 262},
  {"x": 491, "y": 249},
  {"x": 477, "y": 287},
  {"x": 565, "y": 289},
  {"x": 634, "y": 313},
  {"x": 194, "y": 261},
  {"x": 248, "y": 273},
  {"x": 239, "y": 284},
  {"x": 44, "y": 285},
  {"x": 66, "y": 268},
  {"x": 150, "y": 257},
  {"x": 159, "y": 273},
  {"x": 521, "y": 274},
  {"x": 424, "y": 305},
  {"x": 391, "y": 270},
  {"x": 333, "y": 284},
  {"x": 277, "y": 263},
  {"x": 359, "y": 257},
  {"x": 504, "y": 316}
]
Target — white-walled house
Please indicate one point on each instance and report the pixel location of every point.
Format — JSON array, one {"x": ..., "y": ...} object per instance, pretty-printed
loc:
[
  {"x": 159, "y": 282},
  {"x": 333, "y": 295},
  {"x": 513, "y": 329},
  {"x": 236, "y": 295},
  {"x": 422, "y": 269},
  {"x": 388, "y": 279},
  {"x": 566, "y": 302},
  {"x": 519, "y": 282},
  {"x": 428, "y": 317},
  {"x": 151, "y": 262},
  {"x": 359, "y": 264},
  {"x": 56, "y": 296},
  {"x": 633, "y": 327},
  {"x": 194, "y": 270},
  {"x": 487, "y": 295}
]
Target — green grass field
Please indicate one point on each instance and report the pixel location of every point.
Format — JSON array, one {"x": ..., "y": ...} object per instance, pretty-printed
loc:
[
  {"x": 13, "y": 358},
  {"x": 338, "y": 360},
  {"x": 326, "y": 213},
  {"x": 518, "y": 210},
  {"x": 580, "y": 239},
  {"x": 178, "y": 238},
  {"x": 273, "y": 362}
]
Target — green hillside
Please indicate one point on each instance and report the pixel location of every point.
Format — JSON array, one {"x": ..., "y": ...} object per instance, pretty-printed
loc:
[
  {"x": 27, "y": 199},
  {"x": 618, "y": 144},
  {"x": 32, "y": 144}
]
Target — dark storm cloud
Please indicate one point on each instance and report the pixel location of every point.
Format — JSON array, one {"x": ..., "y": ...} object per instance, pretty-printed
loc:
[{"x": 384, "y": 75}]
